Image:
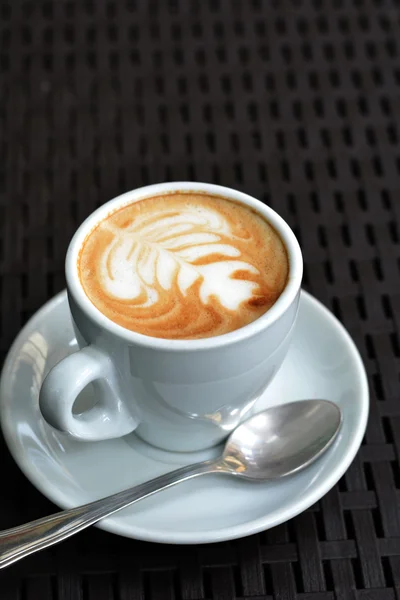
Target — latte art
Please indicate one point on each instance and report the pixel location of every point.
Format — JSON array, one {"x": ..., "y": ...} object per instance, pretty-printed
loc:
[
  {"x": 150, "y": 256},
  {"x": 183, "y": 266}
]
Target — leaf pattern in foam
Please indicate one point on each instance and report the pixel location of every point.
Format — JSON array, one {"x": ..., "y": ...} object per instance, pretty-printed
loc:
[{"x": 146, "y": 257}]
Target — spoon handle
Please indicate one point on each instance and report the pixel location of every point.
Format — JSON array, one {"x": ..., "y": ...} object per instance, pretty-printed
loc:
[{"x": 26, "y": 539}]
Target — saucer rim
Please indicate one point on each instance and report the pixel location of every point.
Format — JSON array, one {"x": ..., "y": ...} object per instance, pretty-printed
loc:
[{"x": 251, "y": 527}]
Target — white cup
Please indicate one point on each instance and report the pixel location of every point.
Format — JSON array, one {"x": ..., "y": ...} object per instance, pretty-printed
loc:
[{"x": 178, "y": 395}]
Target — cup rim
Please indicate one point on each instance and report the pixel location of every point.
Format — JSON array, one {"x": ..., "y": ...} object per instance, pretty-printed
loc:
[{"x": 263, "y": 322}]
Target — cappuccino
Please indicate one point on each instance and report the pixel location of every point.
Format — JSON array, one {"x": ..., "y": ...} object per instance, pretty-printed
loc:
[{"x": 183, "y": 265}]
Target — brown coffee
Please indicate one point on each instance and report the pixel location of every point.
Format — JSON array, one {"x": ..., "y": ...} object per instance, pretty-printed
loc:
[{"x": 183, "y": 266}]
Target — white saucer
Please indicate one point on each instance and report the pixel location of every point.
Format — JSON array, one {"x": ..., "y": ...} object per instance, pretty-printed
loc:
[{"x": 322, "y": 363}]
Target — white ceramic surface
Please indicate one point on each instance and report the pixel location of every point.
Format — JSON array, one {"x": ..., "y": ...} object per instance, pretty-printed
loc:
[
  {"x": 322, "y": 363},
  {"x": 181, "y": 395}
]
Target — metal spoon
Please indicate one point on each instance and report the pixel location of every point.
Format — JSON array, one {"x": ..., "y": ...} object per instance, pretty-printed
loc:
[{"x": 271, "y": 444}]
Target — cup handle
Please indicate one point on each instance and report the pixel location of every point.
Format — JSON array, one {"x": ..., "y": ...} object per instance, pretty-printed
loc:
[{"x": 109, "y": 418}]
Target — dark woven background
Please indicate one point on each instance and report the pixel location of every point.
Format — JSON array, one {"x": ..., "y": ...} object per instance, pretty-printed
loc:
[{"x": 297, "y": 103}]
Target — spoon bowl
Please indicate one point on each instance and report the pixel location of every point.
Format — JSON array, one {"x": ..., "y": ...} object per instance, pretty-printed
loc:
[{"x": 282, "y": 440}]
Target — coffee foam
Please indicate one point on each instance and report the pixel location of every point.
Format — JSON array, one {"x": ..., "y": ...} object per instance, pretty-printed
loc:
[{"x": 183, "y": 265}]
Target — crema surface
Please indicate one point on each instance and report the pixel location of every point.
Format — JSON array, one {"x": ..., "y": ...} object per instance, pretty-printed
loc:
[{"x": 183, "y": 266}]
